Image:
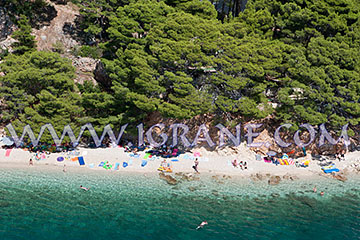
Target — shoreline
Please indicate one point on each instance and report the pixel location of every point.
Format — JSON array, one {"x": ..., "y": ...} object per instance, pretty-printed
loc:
[{"x": 210, "y": 163}]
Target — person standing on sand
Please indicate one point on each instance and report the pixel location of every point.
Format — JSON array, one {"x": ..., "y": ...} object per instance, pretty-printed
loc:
[
  {"x": 64, "y": 168},
  {"x": 196, "y": 163},
  {"x": 31, "y": 162}
]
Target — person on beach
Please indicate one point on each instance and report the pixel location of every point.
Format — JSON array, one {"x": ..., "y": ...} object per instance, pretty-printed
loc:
[
  {"x": 196, "y": 163},
  {"x": 314, "y": 189},
  {"x": 241, "y": 165},
  {"x": 84, "y": 188},
  {"x": 202, "y": 225},
  {"x": 234, "y": 163},
  {"x": 31, "y": 162},
  {"x": 342, "y": 155},
  {"x": 64, "y": 168},
  {"x": 245, "y": 165}
]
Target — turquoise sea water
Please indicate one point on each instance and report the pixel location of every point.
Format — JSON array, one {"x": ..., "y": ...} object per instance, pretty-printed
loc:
[{"x": 40, "y": 205}]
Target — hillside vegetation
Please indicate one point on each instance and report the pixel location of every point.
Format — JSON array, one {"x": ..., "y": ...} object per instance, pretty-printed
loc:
[{"x": 296, "y": 60}]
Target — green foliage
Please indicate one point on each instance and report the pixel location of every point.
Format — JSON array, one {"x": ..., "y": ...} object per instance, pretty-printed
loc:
[
  {"x": 177, "y": 58},
  {"x": 58, "y": 47},
  {"x": 25, "y": 41},
  {"x": 90, "y": 51},
  {"x": 38, "y": 88}
]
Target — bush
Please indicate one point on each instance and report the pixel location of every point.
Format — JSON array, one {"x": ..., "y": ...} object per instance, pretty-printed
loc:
[{"x": 89, "y": 51}]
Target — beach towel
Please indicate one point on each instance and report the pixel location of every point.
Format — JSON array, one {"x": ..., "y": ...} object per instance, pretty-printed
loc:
[
  {"x": 60, "y": 159},
  {"x": 101, "y": 164},
  {"x": 267, "y": 160},
  {"x": 107, "y": 167},
  {"x": 174, "y": 160},
  {"x": 290, "y": 161},
  {"x": 143, "y": 163},
  {"x": 117, "y": 165},
  {"x": 91, "y": 165},
  {"x": 7, "y": 153},
  {"x": 197, "y": 154},
  {"x": 283, "y": 161},
  {"x": 130, "y": 162},
  {"x": 74, "y": 159},
  {"x": 43, "y": 156},
  {"x": 258, "y": 157},
  {"x": 291, "y": 152},
  {"x": 125, "y": 164},
  {"x": 81, "y": 161},
  {"x": 147, "y": 155}
]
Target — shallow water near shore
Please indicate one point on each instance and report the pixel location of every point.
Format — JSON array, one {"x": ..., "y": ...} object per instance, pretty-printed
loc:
[{"x": 50, "y": 205}]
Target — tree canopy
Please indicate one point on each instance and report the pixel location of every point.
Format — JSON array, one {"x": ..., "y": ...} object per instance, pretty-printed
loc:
[{"x": 295, "y": 60}]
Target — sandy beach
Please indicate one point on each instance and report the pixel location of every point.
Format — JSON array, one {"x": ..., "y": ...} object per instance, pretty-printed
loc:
[{"x": 216, "y": 162}]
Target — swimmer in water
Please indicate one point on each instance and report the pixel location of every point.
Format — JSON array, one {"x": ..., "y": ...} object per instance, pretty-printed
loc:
[
  {"x": 322, "y": 194},
  {"x": 86, "y": 189},
  {"x": 202, "y": 225},
  {"x": 314, "y": 189}
]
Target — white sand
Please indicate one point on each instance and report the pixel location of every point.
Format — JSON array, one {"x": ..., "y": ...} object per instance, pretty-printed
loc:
[{"x": 210, "y": 162}]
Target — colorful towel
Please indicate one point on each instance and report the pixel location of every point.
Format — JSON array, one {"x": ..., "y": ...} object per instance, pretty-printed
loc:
[
  {"x": 174, "y": 160},
  {"x": 7, "y": 153},
  {"x": 101, "y": 164},
  {"x": 283, "y": 161},
  {"x": 74, "y": 159},
  {"x": 117, "y": 165},
  {"x": 143, "y": 163},
  {"x": 125, "y": 164},
  {"x": 81, "y": 161},
  {"x": 147, "y": 155},
  {"x": 290, "y": 161}
]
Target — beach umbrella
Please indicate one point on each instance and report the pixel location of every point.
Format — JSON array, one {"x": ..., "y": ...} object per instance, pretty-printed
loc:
[
  {"x": 7, "y": 141},
  {"x": 60, "y": 159},
  {"x": 271, "y": 153}
]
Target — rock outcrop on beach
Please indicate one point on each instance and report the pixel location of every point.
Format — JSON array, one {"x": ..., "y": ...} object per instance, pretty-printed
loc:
[
  {"x": 187, "y": 176},
  {"x": 274, "y": 180},
  {"x": 340, "y": 177},
  {"x": 169, "y": 179}
]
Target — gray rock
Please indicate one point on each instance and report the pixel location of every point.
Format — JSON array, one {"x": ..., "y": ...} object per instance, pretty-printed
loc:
[{"x": 6, "y": 25}]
